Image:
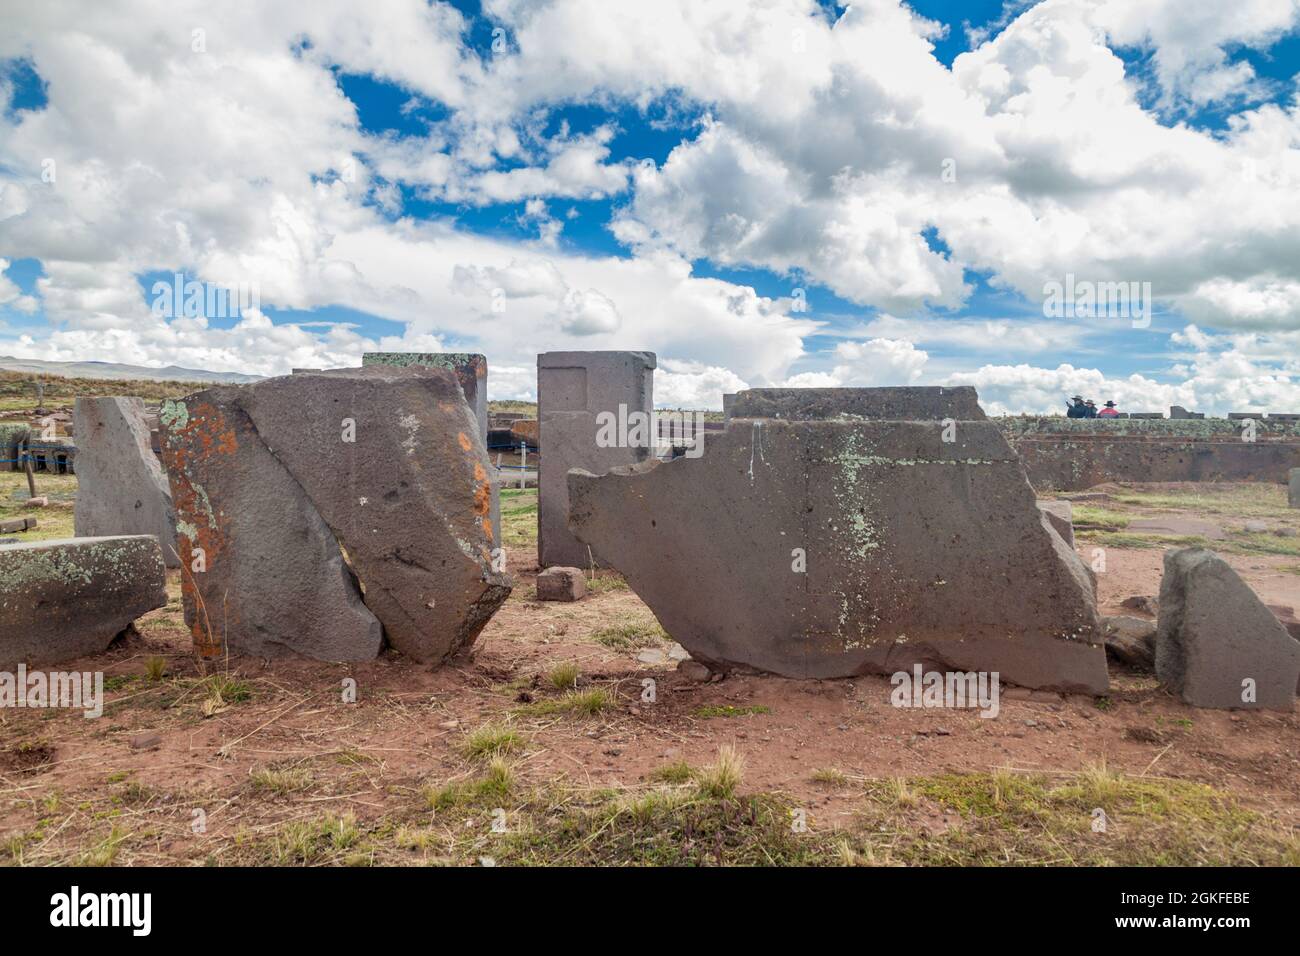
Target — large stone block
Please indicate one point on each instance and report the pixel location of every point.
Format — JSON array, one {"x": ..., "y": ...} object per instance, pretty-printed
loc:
[
  {"x": 1293, "y": 488},
  {"x": 63, "y": 599},
  {"x": 1214, "y": 634},
  {"x": 833, "y": 548},
  {"x": 906, "y": 403},
  {"x": 294, "y": 488},
  {"x": 471, "y": 370},
  {"x": 121, "y": 488},
  {"x": 573, "y": 390}
]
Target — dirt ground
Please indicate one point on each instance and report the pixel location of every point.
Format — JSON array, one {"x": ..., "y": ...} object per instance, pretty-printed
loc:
[{"x": 505, "y": 754}]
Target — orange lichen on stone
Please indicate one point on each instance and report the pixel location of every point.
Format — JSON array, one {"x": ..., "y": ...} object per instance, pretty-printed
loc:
[{"x": 465, "y": 443}]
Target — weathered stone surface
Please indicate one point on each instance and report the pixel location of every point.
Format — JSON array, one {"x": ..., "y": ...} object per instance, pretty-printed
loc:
[
  {"x": 1144, "y": 603},
  {"x": 471, "y": 370},
  {"x": 525, "y": 430},
  {"x": 573, "y": 389},
  {"x": 561, "y": 584},
  {"x": 384, "y": 461},
  {"x": 121, "y": 487},
  {"x": 1061, "y": 516},
  {"x": 912, "y": 550},
  {"x": 905, "y": 403},
  {"x": 1293, "y": 488},
  {"x": 66, "y": 598},
  {"x": 1214, "y": 633},
  {"x": 1131, "y": 640},
  {"x": 262, "y": 573}
]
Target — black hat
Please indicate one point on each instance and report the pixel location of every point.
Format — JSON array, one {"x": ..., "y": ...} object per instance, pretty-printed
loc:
[
  {"x": 1110, "y": 404},
  {"x": 1076, "y": 398}
]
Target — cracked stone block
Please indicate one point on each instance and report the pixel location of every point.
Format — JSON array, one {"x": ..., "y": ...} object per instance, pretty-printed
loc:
[
  {"x": 561, "y": 584},
  {"x": 833, "y": 548},
  {"x": 903, "y": 403},
  {"x": 1214, "y": 635},
  {"x": 66, "y": 598},
  {"x": 333, "y": 510},
  {"x": 121, "y": 487},
  {"x": 574, "y": 389}
]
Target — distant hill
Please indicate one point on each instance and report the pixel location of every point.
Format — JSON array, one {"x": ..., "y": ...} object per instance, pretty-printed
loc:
[{"x": 115, "y": 371}]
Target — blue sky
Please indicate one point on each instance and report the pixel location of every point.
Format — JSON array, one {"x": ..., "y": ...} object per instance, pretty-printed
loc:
[{"x": 561, "y": 176}]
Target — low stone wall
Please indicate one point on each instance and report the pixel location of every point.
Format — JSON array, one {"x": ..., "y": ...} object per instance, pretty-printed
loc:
[{"x": 1066, "y": 454}]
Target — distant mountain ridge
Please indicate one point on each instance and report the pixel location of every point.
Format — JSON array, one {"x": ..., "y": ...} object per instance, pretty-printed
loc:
[{"x": 115, "y": 370}]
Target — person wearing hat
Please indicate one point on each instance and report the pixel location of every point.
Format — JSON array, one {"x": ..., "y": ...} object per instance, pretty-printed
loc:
[
  {"x": 1109, "y": 411},
  {"x": 1091, "y": 407},
  {"x": 1078, "y": 409}
]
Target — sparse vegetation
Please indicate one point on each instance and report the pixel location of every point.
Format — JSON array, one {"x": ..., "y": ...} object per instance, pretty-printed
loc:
[
  {"x": 491, "y": 740},
  {"x": 719, "y": 780},
  {"x": 631, "y": 635},
  {"x": 585, "y": 703},
  {"x": 728, "y": 710},
  {"x": 563, "y": 676}
]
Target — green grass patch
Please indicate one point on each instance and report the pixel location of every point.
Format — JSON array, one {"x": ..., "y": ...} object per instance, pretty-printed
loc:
[
  {"x": 1107, "y": 520},
  {"x": 630, "y": 635},
  {"x": 491, "y": 740},
  {"x": 727, "y": 710},
  {"x": 1127, "y": 539},
  {"x": 1008, "y": 818},
  {"x": 584, "y": 703}
]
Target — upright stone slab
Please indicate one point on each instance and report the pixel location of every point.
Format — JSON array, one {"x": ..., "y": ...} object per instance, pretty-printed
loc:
[
  {"x": 383, "y": 461},
  {"x": 262, "y": 574},
  {"x": 907, "y": 403},
  {"x": 1293, "y": 488},
  {"x": 833, "y": 548},
  {"x": 471, "y": 370},
  {"x": 573, "y": 390},
  {"x": 64, "y": 599},
  {"x": 121, "y": 488},
  {"x": 1214, "y": 634}
]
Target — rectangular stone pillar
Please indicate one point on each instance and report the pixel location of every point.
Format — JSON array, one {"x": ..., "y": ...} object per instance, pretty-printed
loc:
[
  {"x": 1293, "y": 490},
  {"x": 470, "y": 370},
  {"x": 576, "y": 392}
]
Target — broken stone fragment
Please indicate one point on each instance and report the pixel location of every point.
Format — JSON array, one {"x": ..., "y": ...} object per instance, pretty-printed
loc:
[
  {"x": 1061, "y": 516},
  {"x": 121, "y": 488},
  {"x": 328, "y": 503},
  {"x": 1217, "y": 645},
  {"x": 64, "y": 599},
  {"x": 1131, "y": 640},
  {"x": 834, "y": 548},
  {"x": 561, "y": 584}
]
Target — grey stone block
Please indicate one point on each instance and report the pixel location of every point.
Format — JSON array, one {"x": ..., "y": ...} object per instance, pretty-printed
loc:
[
  {"x": 573, "y": 390},
  {"x": 64, "y": 599},
  {"x": 471, "y": 370},
  {"x": 827, "y": 549},
  {"x": 1214, "y": 634},
  {"x": 561, "y": 584},
  {"x": 121, "y": 487},
  {"x": 407, "y": 497}
]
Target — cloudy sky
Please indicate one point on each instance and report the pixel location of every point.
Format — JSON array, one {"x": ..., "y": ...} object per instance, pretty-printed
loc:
[{"x": 763, "y": 192}]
